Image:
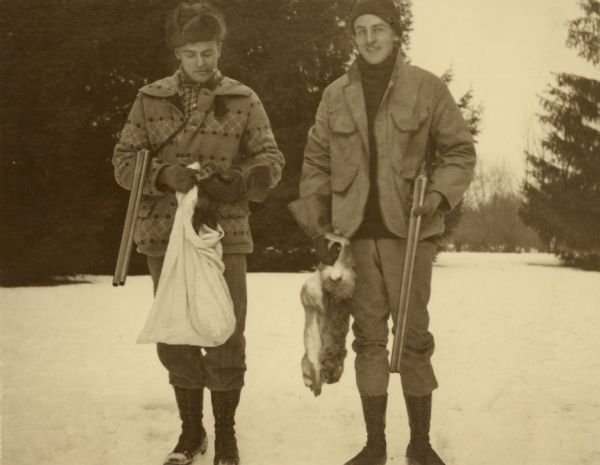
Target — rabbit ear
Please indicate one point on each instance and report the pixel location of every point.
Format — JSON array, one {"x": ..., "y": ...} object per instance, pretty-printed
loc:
[{"x": 332, "y": 237}]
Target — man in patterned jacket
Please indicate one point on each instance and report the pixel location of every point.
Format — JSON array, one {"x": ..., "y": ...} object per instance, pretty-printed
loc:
[{"x": 224, "y": 124}]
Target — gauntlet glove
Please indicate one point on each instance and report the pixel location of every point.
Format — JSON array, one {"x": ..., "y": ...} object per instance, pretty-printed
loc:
[
  {"x": 430, "y": 204},
  {"x": 226, "y": 186},
  {"x": 177, "y": 178}
]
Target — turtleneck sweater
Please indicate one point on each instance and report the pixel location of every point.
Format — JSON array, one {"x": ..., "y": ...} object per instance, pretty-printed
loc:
[{"x": 375, "y": 80}]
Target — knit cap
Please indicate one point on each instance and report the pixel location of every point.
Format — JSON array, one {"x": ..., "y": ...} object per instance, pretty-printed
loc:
[{"x": 385, "y": 9}]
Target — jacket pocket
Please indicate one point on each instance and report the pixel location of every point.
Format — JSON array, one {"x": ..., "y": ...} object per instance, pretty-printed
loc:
[
  {"x": 404, "y": 182},
  {"x": 343, "y": 125},
  {"x": 154, "y": 221},
  {"x": 345, "y": 141},
  {"x": 406, "y": 173},
  {"x": 408, "y": 142},
  {"x": 146, "y": 207},
  {"x": 342, "y": 176},
  {"x": 409, "y": 122}
]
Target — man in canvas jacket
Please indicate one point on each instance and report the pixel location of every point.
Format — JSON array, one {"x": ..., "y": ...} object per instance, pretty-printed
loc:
[
  {"x": 223, "y": 123},
  {"x": 374, "y": 129}
]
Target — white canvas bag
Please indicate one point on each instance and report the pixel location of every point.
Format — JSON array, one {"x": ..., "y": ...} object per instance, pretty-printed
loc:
[{"x": 192, "y": 304}]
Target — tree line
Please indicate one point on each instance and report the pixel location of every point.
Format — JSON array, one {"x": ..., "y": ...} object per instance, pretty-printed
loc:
[
  {"x": 70, "y": 70},
  {"x": 562, "y": 187}
]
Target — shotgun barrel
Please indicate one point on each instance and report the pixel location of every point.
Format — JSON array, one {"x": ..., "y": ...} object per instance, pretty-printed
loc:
[
  {"x": 142, "y": 161},
  {"x": 414, "y": 226}
]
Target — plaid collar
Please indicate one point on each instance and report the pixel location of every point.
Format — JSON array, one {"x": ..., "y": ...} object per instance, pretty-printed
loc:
[
  {"x": 191, "y": 89},
  {"x": 170, "y": 86},
  {"x": 185, "y": 82}
]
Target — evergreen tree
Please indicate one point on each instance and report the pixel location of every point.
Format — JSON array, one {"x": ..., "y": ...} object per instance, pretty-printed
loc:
[
  {"x": 70, "y": 71},
  {"x": 562, "y": 190},
  {"x": 472, "y": 114},
  {"x": 67, "y": 69}
]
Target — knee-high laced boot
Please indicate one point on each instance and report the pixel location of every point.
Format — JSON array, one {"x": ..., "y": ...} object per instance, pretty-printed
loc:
[
  {"x": 419, "y": 450},
  {"x": 192, "y": 439},
  {"x": 374, "y": 452},
  {"x": 224, "y": 405}
]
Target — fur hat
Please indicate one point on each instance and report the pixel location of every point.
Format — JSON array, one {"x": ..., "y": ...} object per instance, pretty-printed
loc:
[
  {"x": 385, "y": 9},
  {"x": 193, "y": 22}
]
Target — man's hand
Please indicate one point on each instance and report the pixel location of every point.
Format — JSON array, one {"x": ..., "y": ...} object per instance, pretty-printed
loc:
[
  {"x": 430, "y": 204},
  {"x": 177, "y": 178},
  {"x": 227, "y": 186}
]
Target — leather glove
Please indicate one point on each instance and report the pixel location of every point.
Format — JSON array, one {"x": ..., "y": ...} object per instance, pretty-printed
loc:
[
  {"x": 226, "y": 186},
  {"x": 326, "y": 255},
  {"x": 430, "y": 204},
  {"x": 177, "y": 178}
]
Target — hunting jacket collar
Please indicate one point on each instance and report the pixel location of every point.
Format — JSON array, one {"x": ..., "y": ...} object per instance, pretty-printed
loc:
[
  {"x": 401, "y": 92},
  {"x": 169, "y": 87}
]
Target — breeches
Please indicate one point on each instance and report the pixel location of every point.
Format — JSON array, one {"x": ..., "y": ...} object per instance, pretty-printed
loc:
[
  {"x": 379, "y": 265},
  {"x": 218, "y": 368}
]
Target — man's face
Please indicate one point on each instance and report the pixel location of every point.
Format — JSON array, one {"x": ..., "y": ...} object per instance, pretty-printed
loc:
[
  {"x": 374, "y": 38},
  {"x": 199, "y": 60}
]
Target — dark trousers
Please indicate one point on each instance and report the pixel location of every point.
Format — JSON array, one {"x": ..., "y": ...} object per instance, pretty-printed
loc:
[
  {"x": 220, "y": 368},
  {"x": 379, "y": 264}
]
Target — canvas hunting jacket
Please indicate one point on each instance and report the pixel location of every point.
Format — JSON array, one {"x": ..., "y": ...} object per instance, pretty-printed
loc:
[
  {"x": 242, "y": 137},
  {"x": 417, "y": 115}
]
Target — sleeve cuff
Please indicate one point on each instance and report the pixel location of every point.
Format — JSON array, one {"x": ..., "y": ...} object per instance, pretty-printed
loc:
[
  {"x": 152, "y": 187},
  {"x": 444, "y": 205}
]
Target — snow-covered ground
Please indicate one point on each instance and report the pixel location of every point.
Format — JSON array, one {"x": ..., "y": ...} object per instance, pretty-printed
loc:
[{"x": 517, "y": 358}]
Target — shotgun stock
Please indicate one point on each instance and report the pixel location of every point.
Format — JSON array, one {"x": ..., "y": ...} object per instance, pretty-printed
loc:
[
  {"x": 414, "y": 227},
  {"x": 142, "y": 161}
]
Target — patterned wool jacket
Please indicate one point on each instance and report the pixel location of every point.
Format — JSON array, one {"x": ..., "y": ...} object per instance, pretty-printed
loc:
[{"x": 241, "y": 137}]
